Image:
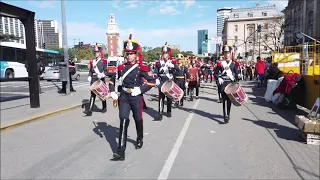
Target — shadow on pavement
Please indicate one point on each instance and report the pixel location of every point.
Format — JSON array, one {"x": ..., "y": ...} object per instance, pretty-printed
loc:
[
  {"x": 282, "y": 132},
  {"x": 110, "y": 133},
  {"x": 205, "y": 114},
  {"x": 12, "y": 98}
]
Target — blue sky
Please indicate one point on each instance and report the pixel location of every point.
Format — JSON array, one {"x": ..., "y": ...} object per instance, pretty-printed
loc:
[{"x": 151, "y": 22}]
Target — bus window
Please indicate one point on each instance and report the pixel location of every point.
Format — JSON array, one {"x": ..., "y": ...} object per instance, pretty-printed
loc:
[
  {"x": 8, "y": 54},
  {"x": 21, "y": 56}
]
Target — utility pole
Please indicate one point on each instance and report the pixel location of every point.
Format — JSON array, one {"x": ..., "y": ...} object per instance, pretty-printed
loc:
[
  {"x": 65, "y": 44},
  {"x": 74, "y": 47}
]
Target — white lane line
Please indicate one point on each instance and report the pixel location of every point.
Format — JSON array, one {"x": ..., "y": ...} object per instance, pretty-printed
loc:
[{"x": 175, "y": 150}]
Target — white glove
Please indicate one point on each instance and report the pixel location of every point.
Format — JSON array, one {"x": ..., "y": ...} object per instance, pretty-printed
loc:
[
  {"x": 114, "y": 95},
  {"x": 170, "y": 65},
  {"x": 136, "y": 91},
  {"x": 101, "y": 75},
  {"x": 186, "y": 84},
  {"x": 157, "y": 82},
  {"x": 220, "y": 81},
  {"x": 89, "y": 78}
]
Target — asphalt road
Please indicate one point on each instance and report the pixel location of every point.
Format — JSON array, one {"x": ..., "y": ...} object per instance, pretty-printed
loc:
[
  {"x": 19, "y": 89},
  {"x": 193, "y": 144}
]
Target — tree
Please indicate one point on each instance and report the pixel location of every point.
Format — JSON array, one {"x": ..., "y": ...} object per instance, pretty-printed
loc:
[
  {"x": 186, "y": 53},
  {"x": 84, "y": 54},
  {"x": 9, "y": 38},
  {"x": 274, "y": 35},
  {"x": 61, "y": 51}
]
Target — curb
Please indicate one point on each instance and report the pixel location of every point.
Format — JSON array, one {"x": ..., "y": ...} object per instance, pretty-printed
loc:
[{"x": 38, "y": 117}]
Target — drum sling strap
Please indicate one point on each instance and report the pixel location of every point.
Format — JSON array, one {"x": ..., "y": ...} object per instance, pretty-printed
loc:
[
  {"x": 126, "y": 74},
  {"x": 96, "y": 70},
  {"x": 229, "y": 73}
]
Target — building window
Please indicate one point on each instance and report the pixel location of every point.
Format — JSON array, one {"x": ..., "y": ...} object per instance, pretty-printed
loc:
[
  {"x": 235, "y": 39},
  {"x": 236, "y": 28},
  {"x": 250, "y": 14},
  {"x": 265, "y": 26},
  {"x": 310, "y": 18},
  {"x": 265, "y": 48},
  {"x": 236, "y": 15},
  {"x": 264, "y": 13}
]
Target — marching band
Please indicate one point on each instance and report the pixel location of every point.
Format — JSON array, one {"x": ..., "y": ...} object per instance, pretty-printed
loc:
[{"x": 173, "y": 78}]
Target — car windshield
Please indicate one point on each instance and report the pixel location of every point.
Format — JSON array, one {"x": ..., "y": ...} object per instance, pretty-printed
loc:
[{"x": 112, "y": 63}]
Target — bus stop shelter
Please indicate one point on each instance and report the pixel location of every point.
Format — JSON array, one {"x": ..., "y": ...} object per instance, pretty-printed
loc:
[{"x": 27, "y": 18}]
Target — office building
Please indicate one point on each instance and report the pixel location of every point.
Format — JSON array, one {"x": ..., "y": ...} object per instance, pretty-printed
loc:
[
  {"x": 240, "y": 31},
  {"x": 301, "y": 16},
  {"x": 202, "y": 44},
  {"x": 222, "y": 14},
  {"x": 47, "y": 34},
  {"x": 12, "y": 27}
]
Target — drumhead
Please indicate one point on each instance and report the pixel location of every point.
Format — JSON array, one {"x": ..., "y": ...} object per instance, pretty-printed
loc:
[
  {"x": 166, "y": 86},
  {"x": 95, "y": 85},
  {"x": 231, "y": 88}
]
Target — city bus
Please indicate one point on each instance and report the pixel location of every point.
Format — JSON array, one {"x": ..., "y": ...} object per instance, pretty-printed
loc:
[{"x": 13, "y": 59}]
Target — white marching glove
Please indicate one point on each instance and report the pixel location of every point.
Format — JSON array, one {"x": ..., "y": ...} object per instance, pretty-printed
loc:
[
  {"x": 157, "y": 82},
  {"x": 220, "y": 81},
  {"x": 186, "y": 84},
  {"x": 89, "y": 78},
  {"x": 101, "y": 75},
  {"x": 136, "y": 91},
  {"x": 170, "y": 65},
  {"x": 114, "y": 95}
]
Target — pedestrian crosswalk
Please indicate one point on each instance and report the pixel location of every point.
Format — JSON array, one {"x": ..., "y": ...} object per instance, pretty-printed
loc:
[{"x": 43, "y": 84}]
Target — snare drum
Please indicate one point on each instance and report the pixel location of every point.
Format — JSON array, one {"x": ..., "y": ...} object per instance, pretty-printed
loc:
[
  {"x": 100, "y": 89},
  {"x": 236, "y": 94},
  {"x": 172, "y": 91}
]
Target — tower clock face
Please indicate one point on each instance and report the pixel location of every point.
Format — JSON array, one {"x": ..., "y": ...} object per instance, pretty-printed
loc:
[{"x": 110, "y": 27}]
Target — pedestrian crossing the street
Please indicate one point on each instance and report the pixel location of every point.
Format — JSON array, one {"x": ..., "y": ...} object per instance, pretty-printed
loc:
[{"x": 43, "y": 85}]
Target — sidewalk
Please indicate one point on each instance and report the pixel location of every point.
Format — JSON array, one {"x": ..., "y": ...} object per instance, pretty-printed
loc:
[{"x": 19, "y": 111}]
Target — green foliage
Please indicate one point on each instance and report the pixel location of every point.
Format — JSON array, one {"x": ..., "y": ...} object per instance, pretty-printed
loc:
[
  {"x": 84, "y": 54},
  {"x": 152, "y": 54}
]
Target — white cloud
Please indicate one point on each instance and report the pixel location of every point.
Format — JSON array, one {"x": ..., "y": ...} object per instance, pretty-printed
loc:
[
  {"x": 45, "y": 4},
  {"x": 188, "y": 3},
  {"x": 169, "y": 10},
  {"x": 152, "y": 11},
  {"x": 186, "y": 37}
]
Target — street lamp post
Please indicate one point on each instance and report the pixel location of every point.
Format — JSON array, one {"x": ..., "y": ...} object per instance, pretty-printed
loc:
[{"x": 65, "y": 44}]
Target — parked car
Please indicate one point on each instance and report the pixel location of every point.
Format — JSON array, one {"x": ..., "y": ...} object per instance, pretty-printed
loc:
[{"x": 54, "y": 74}]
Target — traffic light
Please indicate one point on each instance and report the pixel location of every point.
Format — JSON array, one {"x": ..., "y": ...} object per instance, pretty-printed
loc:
[
  {"x": 206, "y": 37},
  {"x": 81, "y": 44},
  {"x": 43, "y": 45}
]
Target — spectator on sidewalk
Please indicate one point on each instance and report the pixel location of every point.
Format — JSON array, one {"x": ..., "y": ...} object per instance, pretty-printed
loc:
[
  {"x": 72, "y": 71},
  {"x": 259, "y": 70}
]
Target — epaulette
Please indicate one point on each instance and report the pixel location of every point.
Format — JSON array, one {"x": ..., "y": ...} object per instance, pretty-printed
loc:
[
  {"x": 144, "y": 68},
  {"x": 105, "y": 61},
  {"x": 90, "y": 62},
  {"x": 173, "y": 61},
  {"x": 219, "y": 63},
  {"x": 120, "y": 67},
  {"x": 157, "y": 62}
]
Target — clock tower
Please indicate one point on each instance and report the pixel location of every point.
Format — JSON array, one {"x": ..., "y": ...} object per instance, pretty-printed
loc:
[{"x": 112, "y": 36}]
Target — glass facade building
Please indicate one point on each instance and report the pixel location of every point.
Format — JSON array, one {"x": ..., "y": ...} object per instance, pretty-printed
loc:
[{"x": 202, "y": 45}]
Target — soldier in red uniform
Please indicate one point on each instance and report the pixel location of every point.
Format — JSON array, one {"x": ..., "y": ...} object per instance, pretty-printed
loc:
[
  {"x": 97, "y": 71},
  {"x": 130, "y": 77},
  {"x": 226, "y": 72},
  {"x": 164, "y": 70}
]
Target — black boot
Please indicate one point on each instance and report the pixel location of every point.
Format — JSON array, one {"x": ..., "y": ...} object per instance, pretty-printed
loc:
[
  {"x": 169, "y": 104},
  {"x": 139, "y": 128},
  {"x": 158, "y": 117},
  {"x": 120, "y": 154},
  {"x": 104, "y": 106},
  {"x": 91, "y": 103}
]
